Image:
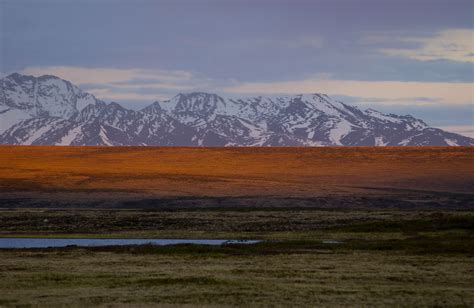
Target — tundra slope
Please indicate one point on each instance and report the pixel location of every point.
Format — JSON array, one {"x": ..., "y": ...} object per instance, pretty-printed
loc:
[{"x": 50, "y": 111}]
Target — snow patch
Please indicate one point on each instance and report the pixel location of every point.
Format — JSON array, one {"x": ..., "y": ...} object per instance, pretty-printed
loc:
[
  {"x": 103, "y": 136},
  {"x": 70, "y": 136},
  {"x": 320, "y": 104},
  {"x": 340, "y": 130},
  {"x": 379, "y": 142},
  {"x": 37, "y": 134},
  {"x": 254, "y": 131},
  {"x": 12, "y": 117},
  {"x": 451, "y": 142},
  {"x": 82, "y": 102},
  {"x": 376, "y": 114}
]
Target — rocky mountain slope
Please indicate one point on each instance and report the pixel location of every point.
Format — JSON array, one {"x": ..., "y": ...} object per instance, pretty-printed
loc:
[{"x": 50, "y": 111}]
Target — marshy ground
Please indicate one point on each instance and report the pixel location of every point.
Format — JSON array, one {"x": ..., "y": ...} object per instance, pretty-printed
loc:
[{"x": 403, "y": 218}]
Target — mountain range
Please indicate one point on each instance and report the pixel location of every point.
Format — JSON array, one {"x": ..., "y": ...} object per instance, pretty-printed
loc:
[{"x": 48, "y": 110}]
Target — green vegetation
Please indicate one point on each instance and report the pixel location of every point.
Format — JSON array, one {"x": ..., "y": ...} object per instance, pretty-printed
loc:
[{"x": 385, "y": 258}]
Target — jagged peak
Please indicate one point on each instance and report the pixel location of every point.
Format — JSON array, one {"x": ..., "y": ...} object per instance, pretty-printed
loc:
[
  {"x": 194, "y": 102},
  {"x": 153, "y": 108},
  {"x": 115, "y": 105},
  {"x": 320, "y": 95},
  {"x": 197, "y": 96},
  {"x": 16, "y": 75},
  {"x": 393, "y": 117},
  {"x": 47, "y": 76},
  {"x": 99, "y": 105},
  {"x": 19, "y": 77}
]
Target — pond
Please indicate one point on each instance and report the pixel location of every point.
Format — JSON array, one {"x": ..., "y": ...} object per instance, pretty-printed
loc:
[{"x": 88, "y": 242}]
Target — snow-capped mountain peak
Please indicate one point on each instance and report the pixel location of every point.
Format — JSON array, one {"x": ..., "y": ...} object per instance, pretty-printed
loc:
[
  {"x": 24, "y": 97},
  {"x": 49, "y": 110}
]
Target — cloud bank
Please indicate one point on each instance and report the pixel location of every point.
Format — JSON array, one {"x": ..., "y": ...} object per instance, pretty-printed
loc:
[
  {"x": 453, "y": 44},
  {"x": 126, "y": 84},
  {"x": 155, "y": 84},
  {"x": 385, "y": 92}
]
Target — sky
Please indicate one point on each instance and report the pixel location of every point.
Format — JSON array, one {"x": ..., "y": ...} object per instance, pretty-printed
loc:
[{"x": 397, "y": 56}]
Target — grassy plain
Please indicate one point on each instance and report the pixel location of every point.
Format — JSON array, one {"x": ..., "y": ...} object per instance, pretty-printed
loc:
[
  {"x": 403, "y": 216},
  {"x": 284, "y": 172}
]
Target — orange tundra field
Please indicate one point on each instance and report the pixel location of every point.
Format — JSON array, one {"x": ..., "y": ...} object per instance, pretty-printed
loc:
[{"x": 151, "y": 172}]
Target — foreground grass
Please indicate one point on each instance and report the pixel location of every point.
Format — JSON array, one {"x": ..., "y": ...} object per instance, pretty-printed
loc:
[
  {"x": 389, "y": 258},
  {"x": 198, "y": 276}
]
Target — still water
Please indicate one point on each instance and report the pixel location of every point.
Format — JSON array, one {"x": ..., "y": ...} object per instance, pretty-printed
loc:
[{"x": 84, "y": 242}]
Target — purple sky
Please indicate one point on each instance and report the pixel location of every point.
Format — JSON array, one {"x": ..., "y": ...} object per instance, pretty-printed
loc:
[{"x": 400, "y": 56}]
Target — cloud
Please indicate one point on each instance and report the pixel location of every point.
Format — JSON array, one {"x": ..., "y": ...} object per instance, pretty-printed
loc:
[
  {"x": 398, "y": 101},
  {"x": 383, "y": 91},
  {"x": 126, "y": 84},
  {"x": 82, "y": 75},
  {"x": 120, "y": 96},
  {"x": 152, "y": 84},
  {"x": 453, "y": 44}
]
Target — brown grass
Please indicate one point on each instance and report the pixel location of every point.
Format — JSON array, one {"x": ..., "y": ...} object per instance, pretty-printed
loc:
[{"x": 234, "y": 171}]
